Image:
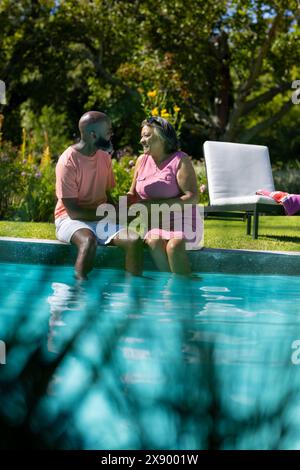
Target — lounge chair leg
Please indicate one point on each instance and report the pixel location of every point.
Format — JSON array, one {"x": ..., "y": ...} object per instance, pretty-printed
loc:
[
  {"x": 255, "y": 225},
  {"x": 248, "y": 223}
]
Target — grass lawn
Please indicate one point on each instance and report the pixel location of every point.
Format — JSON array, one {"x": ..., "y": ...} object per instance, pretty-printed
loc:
[
  {"x": 275, "y": 233},
  {"x": 279, "y": 233}
]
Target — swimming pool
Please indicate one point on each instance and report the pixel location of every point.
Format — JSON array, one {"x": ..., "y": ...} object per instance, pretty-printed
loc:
[{"x": 153, "y": 362}]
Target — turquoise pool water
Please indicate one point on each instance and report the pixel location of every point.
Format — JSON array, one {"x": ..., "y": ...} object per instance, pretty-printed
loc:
[{"x": 156, "y": 362}]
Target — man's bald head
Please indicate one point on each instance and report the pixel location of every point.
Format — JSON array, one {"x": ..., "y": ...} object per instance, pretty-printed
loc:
[
  {"x": 87, "y": 120},
  {"x": 95, "y": 130}
]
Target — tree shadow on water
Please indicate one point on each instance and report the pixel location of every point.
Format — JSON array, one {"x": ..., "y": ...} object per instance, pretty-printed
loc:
[{"x": 150, "y": 374}]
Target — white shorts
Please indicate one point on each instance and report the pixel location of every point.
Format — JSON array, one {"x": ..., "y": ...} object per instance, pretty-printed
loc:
[{"x": 105, "y": 232}]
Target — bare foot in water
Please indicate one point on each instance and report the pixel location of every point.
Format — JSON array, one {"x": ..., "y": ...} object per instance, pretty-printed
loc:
[
  {"x": 80, "y": 277},
  {"x": 195, "y": 277}
]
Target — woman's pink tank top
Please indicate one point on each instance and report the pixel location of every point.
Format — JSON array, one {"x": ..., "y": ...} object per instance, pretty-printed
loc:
[
  {"x": 161, "y": 183},
  {"x": 155, "y": 183}
]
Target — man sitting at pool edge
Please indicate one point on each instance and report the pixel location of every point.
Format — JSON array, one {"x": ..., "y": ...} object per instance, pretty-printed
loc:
[{"x": 84, "y": 175}]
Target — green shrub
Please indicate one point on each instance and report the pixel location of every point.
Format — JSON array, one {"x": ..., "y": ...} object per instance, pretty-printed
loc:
[
  {"x": 46, "y": 129},
  {"x": 10, "y": 178},
  {"x": 200, "y": 170},
  {"x": 27, "y": 184},
  {"x": 287, "y": 177},
  {"x": 123, "y": 167},
  {"x": 37, "y": 199}
]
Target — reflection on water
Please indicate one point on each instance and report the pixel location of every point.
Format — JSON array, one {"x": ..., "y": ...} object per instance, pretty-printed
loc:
[{"x": 154, "y": 362}]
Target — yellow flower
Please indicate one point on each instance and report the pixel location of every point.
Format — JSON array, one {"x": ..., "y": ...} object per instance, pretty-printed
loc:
[
  {"x": 23, "y": 145},
  {"x": 154, "y": 112},
  {"x": 164, "y": 114},
  {"x": 152, "y": 94},
  {"x": 176, "y": 108},
  {"x": 46, "y": 158},
  {"x": 30, "y": 159}
]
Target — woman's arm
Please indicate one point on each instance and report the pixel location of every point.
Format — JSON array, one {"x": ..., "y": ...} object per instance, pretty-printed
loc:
[{"x": 187, "y": 181}]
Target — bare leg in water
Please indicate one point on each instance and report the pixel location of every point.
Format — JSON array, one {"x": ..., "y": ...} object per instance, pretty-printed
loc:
[
  {"x": 169, "y": 255},
  {"x": 86, "y": 243},
  {"x": 134, "y": 250}
]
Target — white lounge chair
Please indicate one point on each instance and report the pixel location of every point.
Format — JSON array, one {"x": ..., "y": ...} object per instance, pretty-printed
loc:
[{"x": 234, "y": 173}]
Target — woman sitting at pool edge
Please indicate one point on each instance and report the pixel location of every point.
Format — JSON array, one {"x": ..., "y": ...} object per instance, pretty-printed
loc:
[{"x": 164, "y": 174}]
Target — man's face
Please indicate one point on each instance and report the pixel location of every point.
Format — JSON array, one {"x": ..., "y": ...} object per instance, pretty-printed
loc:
[{"x": 102, "y": 134}]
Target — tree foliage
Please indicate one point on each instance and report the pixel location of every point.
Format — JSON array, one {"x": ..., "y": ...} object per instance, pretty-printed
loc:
[{"x": 228, "y": 65}]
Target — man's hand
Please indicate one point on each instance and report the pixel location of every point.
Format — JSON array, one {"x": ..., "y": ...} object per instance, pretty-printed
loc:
[{"x": 76, "y": 212}]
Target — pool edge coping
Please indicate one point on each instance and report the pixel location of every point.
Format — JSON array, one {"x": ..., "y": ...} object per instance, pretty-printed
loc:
[
  {"x": 220, "y": 260},
  {"x": 206, "y": 249}
]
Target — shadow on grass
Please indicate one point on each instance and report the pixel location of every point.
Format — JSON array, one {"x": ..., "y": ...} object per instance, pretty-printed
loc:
[{"x": 282, "y": 238}]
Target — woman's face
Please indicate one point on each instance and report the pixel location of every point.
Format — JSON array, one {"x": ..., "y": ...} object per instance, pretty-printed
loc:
[{"x": 151, "y": 142}]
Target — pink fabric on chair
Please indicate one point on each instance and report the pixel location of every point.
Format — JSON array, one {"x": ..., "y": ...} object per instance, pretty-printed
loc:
[{"x": 290, "y": 202}]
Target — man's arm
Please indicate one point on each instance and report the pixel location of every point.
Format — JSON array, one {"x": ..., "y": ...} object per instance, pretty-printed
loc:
[{"x": 76, "y": 212}]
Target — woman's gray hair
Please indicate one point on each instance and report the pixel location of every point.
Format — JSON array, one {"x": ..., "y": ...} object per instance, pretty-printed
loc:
[{"x": 165, "y": 130}]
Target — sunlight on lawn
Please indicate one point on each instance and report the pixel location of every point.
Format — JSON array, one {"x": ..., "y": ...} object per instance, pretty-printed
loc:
[{"x": 275, "y": 233}]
